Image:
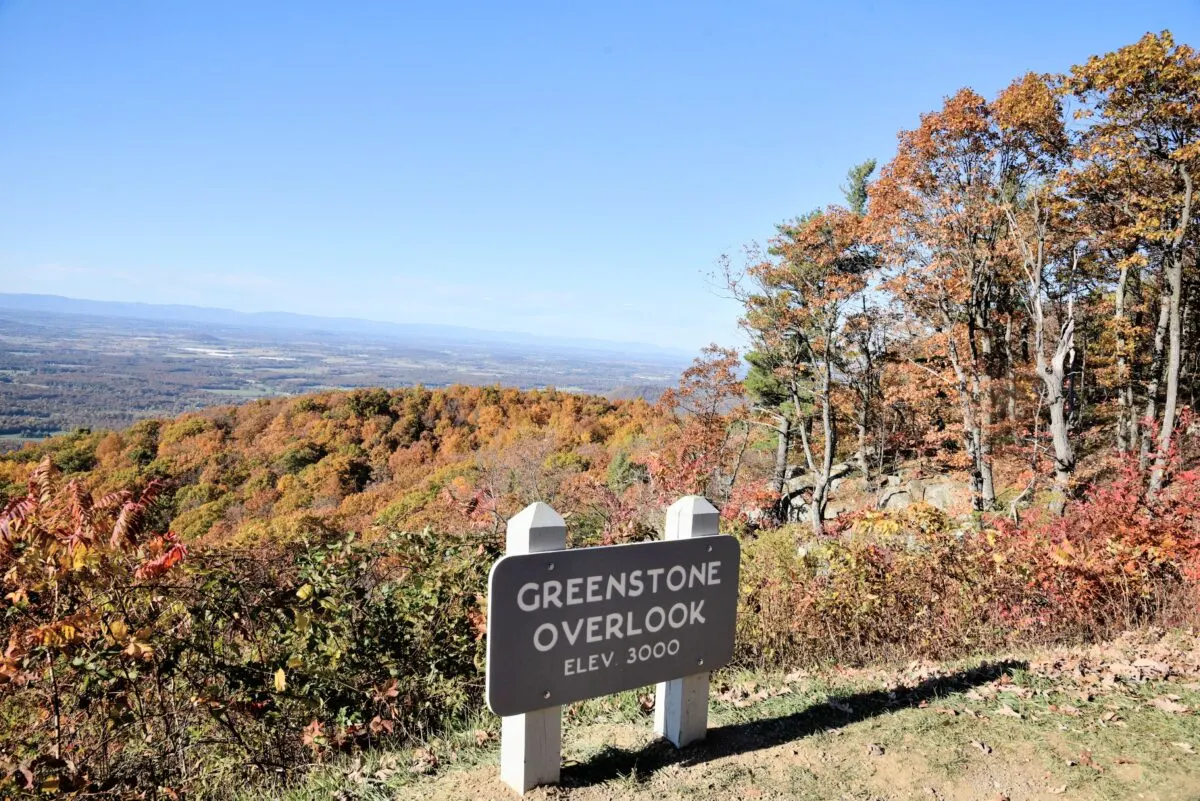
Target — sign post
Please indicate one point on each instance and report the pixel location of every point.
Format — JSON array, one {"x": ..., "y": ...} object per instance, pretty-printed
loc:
[
  {"x": 565, "y": 625},
  {"x": 531, "y": 743},
  {"x": 681, "y": 705}
]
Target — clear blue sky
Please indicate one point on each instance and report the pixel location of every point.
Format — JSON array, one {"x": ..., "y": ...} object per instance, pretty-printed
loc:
[{"x": 559, "y": 167}]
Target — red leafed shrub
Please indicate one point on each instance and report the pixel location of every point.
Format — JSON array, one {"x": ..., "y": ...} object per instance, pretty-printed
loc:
[
  {"x": 1115, "y": 558},
  {"x": 915, "y": 583},
  {"x": 754, "y": 503},
  {"x": 84, "y": 621},
  {"x": 164, "y": 553}
]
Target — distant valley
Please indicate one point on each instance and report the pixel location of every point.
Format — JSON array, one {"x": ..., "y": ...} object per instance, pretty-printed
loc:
[{"x": 66, "y": 364}]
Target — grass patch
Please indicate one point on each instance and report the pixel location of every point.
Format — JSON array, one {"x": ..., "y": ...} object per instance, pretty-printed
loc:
[{"x": 984, "y": 728}]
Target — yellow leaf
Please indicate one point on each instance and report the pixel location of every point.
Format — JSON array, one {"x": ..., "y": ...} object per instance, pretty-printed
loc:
[
  {"x": 118, "y": 630},
  {"x": 79, "y": 558},
  {"x": 280, "y": 681},
  {"x": 139, "y": 650},
  {"x": 304, "y": 592}
]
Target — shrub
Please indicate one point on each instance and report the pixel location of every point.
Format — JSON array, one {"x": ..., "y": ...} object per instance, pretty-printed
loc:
[
  {"x": 894, "y": 584},
  {"x": 901, "y": 584},
  {"x": 131, "y": 671},
  {"x": 1118, "y": 558}
]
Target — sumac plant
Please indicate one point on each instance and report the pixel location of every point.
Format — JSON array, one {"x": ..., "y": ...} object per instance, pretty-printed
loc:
[
  {"x": 134, "y": 667},
  {"x": 85, "y": 615}
]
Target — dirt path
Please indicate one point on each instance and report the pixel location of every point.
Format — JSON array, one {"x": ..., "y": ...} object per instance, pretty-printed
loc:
[{"x": 1121, "y": 721}]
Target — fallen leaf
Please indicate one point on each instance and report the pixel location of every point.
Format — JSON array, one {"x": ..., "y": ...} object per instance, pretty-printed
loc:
[
  {"x": 481, "y": 736},
  {"x": 982, "y": 746},
  {"x": 1185, "y": 747},
  {"x": 1008, "y": 711},
  {"x": 423, "y": 761},
  {"x": 1167, "y": 705},
  {"x": 1152, "y": 666},
  {"x": 1058, "y": 790}
]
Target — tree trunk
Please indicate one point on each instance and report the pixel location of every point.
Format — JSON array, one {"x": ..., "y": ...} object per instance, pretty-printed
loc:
[
  {"x": 1064, "y": 454},
  {"x": 968, "y": 391},
  {"x": 1167, "y": 429},
  {"x": 806, "y": 444},
  {"x": 982, "y": 399},
  {"x": 1175, "y": 281},
  {"x": 782, "y": 447},
  {"x": 1125, "y": 413},
  {"x": 864, "y": 463},
  {"x": 1154, "y": 378},
  {"x": 1010, "y": 374},
  {"x": 1052, "y": 371},
  {"x": 987, "y": 482},
  {"x": 829, "y": 428}
]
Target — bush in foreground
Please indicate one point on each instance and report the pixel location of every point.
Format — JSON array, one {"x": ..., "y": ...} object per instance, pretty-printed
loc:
[{"x": 134, "y": 666}]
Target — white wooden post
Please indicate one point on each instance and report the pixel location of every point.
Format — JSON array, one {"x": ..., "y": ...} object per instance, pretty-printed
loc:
[
  {"x": 681, "y": 705},
  {"x": 531, "y": 744}
]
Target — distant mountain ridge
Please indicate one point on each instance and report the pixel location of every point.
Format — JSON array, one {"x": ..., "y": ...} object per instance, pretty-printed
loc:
[{"x": 58, "y": 304}]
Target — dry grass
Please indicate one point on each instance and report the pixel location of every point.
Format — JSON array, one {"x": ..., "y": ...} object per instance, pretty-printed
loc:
[{"x": 1116, "y": 721}]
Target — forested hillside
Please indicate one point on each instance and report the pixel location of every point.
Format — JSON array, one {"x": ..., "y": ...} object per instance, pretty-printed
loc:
[
  {"x": 367, "y": 460},
  {"x": 964, "y": 423}
]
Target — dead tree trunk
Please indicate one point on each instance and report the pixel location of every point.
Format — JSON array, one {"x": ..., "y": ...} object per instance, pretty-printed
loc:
[
  {"x": 820, "y": 497},
  {"x": 1174, "y": 276}
]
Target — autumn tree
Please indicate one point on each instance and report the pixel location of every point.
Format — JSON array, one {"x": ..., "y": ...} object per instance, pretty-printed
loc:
[
  {"x": 774, "y": 406},
  {"x": 936, "y": 217},
  {"x": 865, "y": 332},
  {"x": 1141, "y": 105},
  {"x": 1047, "y": 243},
  {"x": 702, "y": 453},
  {"x": 795, "y": 302}
]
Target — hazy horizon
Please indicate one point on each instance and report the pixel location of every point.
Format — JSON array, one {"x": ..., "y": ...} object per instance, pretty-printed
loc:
[{"x": 276, "y": 318}]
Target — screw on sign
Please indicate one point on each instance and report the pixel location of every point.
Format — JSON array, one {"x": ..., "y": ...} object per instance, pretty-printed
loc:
[{"x": 596, "y": 621}]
